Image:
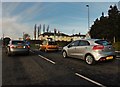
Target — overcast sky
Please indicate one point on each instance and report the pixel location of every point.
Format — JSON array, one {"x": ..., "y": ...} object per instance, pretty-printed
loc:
[{"x": 67, "y": 17}]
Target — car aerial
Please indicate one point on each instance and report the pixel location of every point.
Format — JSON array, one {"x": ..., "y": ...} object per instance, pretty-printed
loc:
[
  {"x": 49, "y": 46},
  {"x": 17, "y": 47},
  {"x": 90, "y": 50}
]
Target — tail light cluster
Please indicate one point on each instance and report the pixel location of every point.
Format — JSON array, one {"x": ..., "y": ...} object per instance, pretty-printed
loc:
[
  {"x": 98, "y": 47},
  {"x": 12, "y": 46},
  {"x": 28, "y": 46}
]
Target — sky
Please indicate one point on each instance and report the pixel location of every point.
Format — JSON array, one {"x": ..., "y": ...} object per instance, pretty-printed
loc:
[{"x": 67, "y": 16}]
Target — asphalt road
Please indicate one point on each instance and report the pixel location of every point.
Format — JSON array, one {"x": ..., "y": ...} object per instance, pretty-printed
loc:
[{"x": 40, "y": 68}]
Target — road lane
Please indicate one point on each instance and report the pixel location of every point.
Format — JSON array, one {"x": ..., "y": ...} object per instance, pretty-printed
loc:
[
  {"x": 13, "y": 72},
  {"x": 33, "y": 70},
  {"x": 106, "y": 73},
  {"x": 99, "y": 84}
]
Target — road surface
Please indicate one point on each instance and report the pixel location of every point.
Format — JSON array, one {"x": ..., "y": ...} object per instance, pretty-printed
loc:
[{"x": 40, "y": 68}]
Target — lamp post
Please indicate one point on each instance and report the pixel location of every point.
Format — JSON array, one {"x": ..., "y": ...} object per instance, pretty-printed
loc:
[{"x": 88, "y": 17}]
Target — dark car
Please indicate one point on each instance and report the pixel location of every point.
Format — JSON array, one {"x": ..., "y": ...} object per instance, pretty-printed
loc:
[{"x": 17, "y": 47}]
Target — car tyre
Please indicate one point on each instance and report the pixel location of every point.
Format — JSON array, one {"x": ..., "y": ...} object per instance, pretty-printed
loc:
[
  {"x": 64, "y": 53},
  {"x": 46, "y": 50},
  {"x": 89, "y": 60}
]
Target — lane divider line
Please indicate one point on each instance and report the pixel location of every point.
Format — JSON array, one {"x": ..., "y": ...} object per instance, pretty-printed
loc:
[
  {"x": 31, "y": 51},
  {"x": 90, "y": 80},
  {"x": 47, "y": 59}
]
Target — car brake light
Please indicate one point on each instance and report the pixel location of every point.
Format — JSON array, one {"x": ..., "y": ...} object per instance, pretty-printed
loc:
[
  {"x": 28, "y": 46},
  {"x": 12, "y": 46},
  {"x": 98, "y": 47}
]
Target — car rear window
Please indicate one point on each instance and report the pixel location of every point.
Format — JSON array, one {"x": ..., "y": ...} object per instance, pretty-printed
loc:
[
  {"x": 52, "y": 43},
  {"x": 17, "y": 42},
  {"x": 103, "y": 42}
]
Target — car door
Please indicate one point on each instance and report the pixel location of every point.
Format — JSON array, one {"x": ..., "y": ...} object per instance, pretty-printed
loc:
[
  {"x": 72, "y": 48},
  {"x": 82, "y": 48}
]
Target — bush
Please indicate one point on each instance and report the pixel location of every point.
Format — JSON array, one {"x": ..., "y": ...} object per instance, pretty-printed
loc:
[{"x": 116, "y": 46}]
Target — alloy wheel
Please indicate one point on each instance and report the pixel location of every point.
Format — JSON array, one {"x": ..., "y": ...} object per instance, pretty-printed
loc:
[
  {"x": 64, "y": 54},
  {"x": 89, "y": 60}
]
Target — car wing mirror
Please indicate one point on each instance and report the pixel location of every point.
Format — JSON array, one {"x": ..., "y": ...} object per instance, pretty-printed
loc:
[{"x": 69, "y": 46}]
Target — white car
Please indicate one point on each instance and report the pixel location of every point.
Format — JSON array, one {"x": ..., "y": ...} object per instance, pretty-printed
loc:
[{"x": 90, "y": 50}]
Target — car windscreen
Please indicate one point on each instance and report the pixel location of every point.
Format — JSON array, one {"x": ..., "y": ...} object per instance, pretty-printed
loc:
[
  {"x": 103, "y": 42},
  {"x": 18, "y": 42},
  {"x": 52, "y": 43}
]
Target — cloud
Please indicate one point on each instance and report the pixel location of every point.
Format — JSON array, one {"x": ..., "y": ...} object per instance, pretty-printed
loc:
[
  {"x": 60, "y": 0},
  {"x": 70, "y": 28},
  {"x": 9, "y": 7},
  {"x": 30, "y": 12},
  {"x": 14, "y": 29}
]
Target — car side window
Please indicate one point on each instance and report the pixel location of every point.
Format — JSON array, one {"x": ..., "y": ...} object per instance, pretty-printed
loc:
[
  {"x": 75, "y": 43},
  {"x": 84, "y": 43}
]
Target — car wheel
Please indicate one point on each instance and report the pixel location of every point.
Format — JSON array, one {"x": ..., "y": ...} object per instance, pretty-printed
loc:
[
  {"x": 64, "y": 54},
  {"x": 46, "y": 50},
  {"x": 89, "y": 60}
]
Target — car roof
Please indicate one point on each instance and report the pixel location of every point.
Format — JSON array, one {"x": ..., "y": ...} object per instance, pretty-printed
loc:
[{"x": 91, "y": 41}]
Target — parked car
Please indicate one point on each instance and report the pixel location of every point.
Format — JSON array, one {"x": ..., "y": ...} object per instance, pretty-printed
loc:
[
  {"x": 90, "y": 50},
  {"x": 49, "y": 46},
  {"x": 16, "y": 47}
]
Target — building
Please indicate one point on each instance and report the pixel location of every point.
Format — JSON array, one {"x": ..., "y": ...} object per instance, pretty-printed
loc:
[
  {"x": 60, "y": 36},
  {"x": 77, "y": 37}
]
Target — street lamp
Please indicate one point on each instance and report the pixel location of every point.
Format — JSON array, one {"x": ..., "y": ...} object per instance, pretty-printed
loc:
[{"x": 88, "y": 17}]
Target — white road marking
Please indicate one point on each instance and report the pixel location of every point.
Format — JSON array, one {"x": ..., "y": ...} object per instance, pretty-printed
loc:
[
  {"x": 31, "y": 51},
  {"x": 44, "y": 58},
  {"x": 90, "y": 80},
  {"x": 47, "y": 59}
]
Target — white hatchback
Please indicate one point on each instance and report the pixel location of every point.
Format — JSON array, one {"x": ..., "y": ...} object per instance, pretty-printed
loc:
[{"x": 90, "y": 50}]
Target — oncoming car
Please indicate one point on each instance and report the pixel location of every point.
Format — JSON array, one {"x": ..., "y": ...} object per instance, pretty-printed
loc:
[
  {"x": 90, "y": 50},
  {"x": 49, "y": 46},
  {"x": 17, "y": 47}
]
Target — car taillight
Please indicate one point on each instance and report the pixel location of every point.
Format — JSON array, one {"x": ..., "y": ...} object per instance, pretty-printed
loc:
[
  {"x": 27, "y": 46},
  {"x": 98, "y": 47},
  {"x": 12, "y": 46}
]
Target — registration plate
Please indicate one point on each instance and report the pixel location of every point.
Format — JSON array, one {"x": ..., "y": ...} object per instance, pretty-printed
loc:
[
  {"x": 19, "y": 46},
  {"x": 110, "y": 57}
]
